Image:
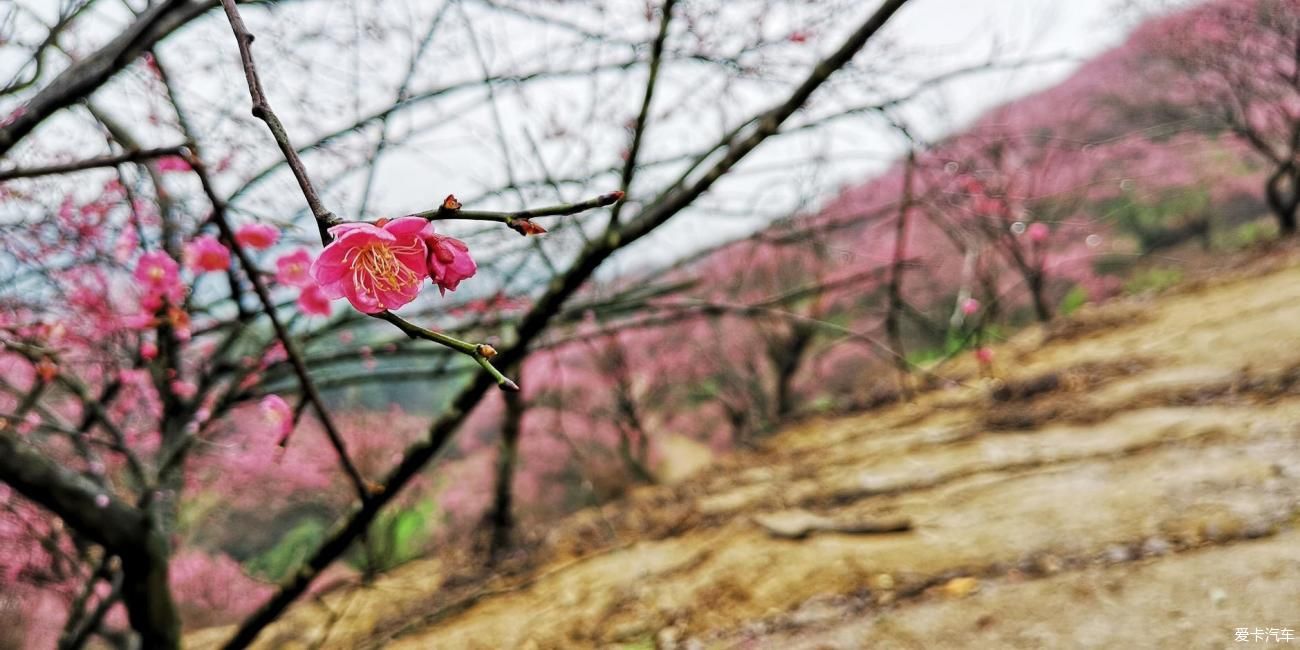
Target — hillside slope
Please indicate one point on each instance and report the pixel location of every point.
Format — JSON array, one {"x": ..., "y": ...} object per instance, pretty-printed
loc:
[{"x": 1131, "y": 479}]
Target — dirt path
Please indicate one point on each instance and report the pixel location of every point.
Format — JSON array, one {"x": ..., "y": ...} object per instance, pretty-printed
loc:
[{"x": 1133, "y": 480}]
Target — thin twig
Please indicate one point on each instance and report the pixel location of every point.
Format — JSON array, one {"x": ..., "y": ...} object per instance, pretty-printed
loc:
[
  {"x": 93, "y": 406},
  {"x": 138, "y": 155},
  {"x": 89, "y": 72},
  {"x": 512, "y": 219},
  {"x": 262, "y": 111},
  {"x": 88, "y": 627},
  {"x": 281, "y": 332},
  {"x": 643, "y": 118},
  {"x": 480, "y": 352},
  {"x": 324, "y": 218}
]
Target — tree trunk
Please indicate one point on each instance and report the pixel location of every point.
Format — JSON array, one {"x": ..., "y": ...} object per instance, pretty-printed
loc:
[
  {"x": 501, "y": 516},
  {"x": 787, "y": 360},
  {"x": 893, "y": 328},
  {"x": 1042, "y": 310},
  {"x": 147, "y": 594},
  {"x": 1282, "y": 193},
  {"x": 635, "y": 466}
]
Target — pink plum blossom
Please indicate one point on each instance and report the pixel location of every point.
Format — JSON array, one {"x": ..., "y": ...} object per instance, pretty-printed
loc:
[
  {"x": 970, "y": 307},
  {"x": 313, "y": 301},
  {"x": 986, "y": 205},
  {"x": 172, "y": 164},
  {"x": 293, "y": 269},
  {"x": 257, "y": 236},
  {"x": 158, "y": 276},
  {"x": 376, "y": 267},
  {"x": 179, "y": 319},
  {"x": 183, "y": 389},
  {"x": 449, "y": 260},
  {"x": 984, "y": 355},
  {"x": 274, "y": 354},
  {"x": 29, "y": 423},
  {"x": 141, "y": 321},
  {"x": 276, "y": 412},
  {"x": 205, "y": 254},
  {"x": 126, "y": 245},
  {"x": 1038, "y": 232}
]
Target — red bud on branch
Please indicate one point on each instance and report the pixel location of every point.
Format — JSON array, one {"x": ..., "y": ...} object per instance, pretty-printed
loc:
[{"x": 526, "y": 227}]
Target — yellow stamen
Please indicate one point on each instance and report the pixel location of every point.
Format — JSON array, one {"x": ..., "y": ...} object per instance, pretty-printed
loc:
[{"x": 375, "y": 268}]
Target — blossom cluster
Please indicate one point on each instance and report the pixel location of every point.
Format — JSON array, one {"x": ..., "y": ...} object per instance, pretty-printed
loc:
[
  {"x": 375, "y": 266},
  {"x": 382, "y": 266}
]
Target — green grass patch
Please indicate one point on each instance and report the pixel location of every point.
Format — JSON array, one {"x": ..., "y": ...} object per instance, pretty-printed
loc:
[{"x": 1153, "y": 280}]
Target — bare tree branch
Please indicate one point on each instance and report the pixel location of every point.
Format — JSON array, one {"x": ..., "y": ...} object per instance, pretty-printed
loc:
[
  {"x": 91, "y": 72},
  {"x": 532, "y": 325},
  {"x": 138, "y": 155}
]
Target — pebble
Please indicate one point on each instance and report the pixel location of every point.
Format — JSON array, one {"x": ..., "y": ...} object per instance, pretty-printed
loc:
[
  {"x": 1049, "y": 564},
  {"x": 882, "y": 581},
  {"x": 1118, "y": 553},
  {"x": 961, "y": 587},
  {"x": 1156, "y": 546}
]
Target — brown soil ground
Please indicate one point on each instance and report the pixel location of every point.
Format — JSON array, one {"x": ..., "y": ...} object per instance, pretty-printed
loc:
[{"x": 1130, "y": 479}]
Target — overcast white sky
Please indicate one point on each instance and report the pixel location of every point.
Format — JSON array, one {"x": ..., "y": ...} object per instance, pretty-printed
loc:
[
  {"x": 960, "y": 32},
  {"x": 935, "y": 35}
]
